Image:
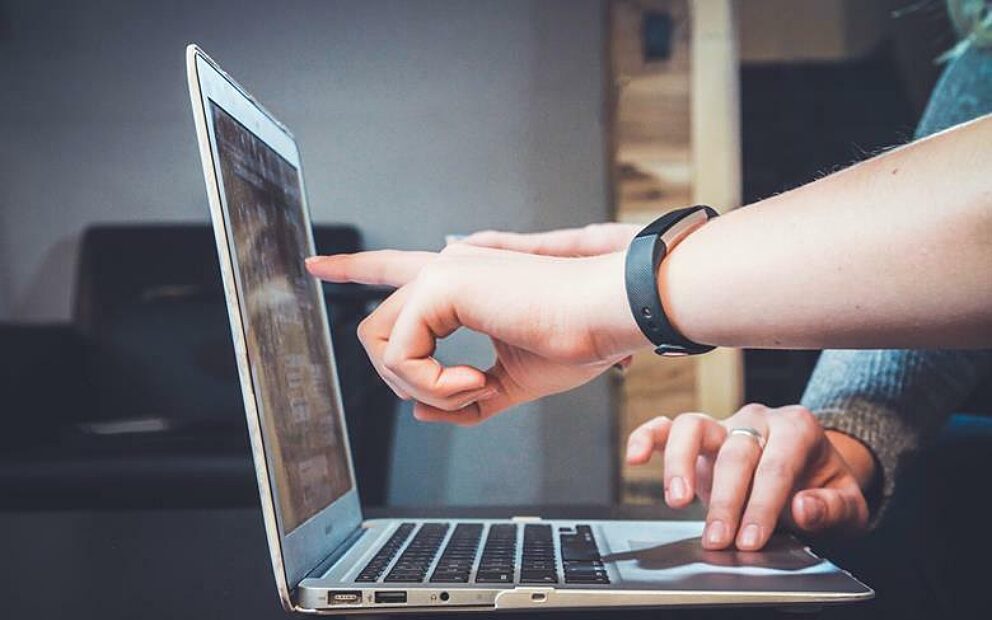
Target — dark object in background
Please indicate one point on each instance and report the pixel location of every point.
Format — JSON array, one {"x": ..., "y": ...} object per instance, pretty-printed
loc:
[
  {"x": 657, "y": 36},
  {"x": 137, "y": 403}
]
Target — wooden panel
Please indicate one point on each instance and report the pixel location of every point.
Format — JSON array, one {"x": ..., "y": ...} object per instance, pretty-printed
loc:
[
  {"x": 659, "y": 149},
  {"x": 716, "y": 165},
  {"x": 652, "y": 132}
]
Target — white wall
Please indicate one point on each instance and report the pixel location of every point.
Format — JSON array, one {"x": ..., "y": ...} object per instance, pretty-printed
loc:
[{"x": 416, "y": 119}]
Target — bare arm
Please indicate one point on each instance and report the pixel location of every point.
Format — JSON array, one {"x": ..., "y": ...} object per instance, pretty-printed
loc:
[{"x": 893, "y": 252}]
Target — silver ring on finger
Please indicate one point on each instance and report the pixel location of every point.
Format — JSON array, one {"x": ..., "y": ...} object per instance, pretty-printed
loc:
[{"x": 748, "y": 431}]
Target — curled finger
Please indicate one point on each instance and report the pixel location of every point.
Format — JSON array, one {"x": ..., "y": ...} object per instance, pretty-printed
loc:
[
  {"x": 646, "y": 439},
  {"x": 691, "y": 434}
]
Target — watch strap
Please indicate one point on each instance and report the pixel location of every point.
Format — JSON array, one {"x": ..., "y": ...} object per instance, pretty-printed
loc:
[{"x": 644, "y": 255}]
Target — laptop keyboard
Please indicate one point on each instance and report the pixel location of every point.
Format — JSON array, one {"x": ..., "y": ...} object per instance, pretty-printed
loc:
[
  {"x": 374, "y": 569},
  {"x": 577, "y": 555},
  {"x": 499, "y": 556},
  {"x": 455, "y": 565},
  {"x": 418, "y": 555}
]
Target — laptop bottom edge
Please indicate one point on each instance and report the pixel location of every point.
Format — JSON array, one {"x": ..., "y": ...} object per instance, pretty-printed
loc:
[{"x": 636, "y": 564}]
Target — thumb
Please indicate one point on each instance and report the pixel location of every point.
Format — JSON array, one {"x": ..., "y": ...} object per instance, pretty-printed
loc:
[
  {"x": 503, "y": 397},
  {"x": 830, "y": 509}
]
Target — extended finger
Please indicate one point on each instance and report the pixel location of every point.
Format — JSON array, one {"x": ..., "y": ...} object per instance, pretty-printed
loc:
[
  {"x": 732, "y": 475},
  {"x": 380, "y": 267},
  {"x": 690, "y": 435},
  {"x": 647, "y": 438},
  {"x": 792, "y": 437}
]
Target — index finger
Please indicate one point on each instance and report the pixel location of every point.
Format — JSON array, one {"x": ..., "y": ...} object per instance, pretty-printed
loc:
[{"x": 379, "y": 267}]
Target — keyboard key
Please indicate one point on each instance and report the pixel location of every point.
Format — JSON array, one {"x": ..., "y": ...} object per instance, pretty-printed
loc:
[
  {"x": 538, "y": 576},
  {"x": 581, "y": 561},
  {"x": 494, "y": 577},
  {"x": 579, "y": 547}
]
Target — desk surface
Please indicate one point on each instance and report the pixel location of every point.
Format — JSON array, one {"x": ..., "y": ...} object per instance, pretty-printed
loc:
[{"x": 153, "y": 564}]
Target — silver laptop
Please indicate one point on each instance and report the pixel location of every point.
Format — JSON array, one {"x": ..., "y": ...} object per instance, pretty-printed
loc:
[{"x": 325, "y": 557}]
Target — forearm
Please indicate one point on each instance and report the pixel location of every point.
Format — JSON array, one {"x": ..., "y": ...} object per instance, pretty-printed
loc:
[{"x": 892, "y": 252}]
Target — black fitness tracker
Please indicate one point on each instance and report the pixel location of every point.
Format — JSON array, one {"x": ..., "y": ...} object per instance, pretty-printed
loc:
[{"x": 644, "y": 255}]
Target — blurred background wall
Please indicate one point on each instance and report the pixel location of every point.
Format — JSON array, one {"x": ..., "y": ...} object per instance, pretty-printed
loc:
[{"x": 415, "y": 120}]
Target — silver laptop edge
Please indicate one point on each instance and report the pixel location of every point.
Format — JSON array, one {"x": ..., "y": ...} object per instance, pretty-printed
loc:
[{"x": 316, "y": 556}]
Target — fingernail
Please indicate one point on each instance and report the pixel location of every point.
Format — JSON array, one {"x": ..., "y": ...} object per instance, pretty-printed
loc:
[
  {"x": 716, "y": 532},
  {"x": 311, "y": 259},
  {"x": 677, "y": 489},
  {"x": 813, "y": 510},
  {"x": 750, "y": 535}
]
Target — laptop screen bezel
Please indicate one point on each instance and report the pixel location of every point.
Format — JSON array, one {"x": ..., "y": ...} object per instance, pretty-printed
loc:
[{"x": 296, "y": 553}]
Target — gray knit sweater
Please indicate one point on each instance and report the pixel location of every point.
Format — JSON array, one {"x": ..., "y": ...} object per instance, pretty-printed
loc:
[{"x": 893, "y": 401}]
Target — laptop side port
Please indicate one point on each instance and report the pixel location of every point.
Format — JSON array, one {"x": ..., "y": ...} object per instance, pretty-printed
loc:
[
  {"x": 344, "y": 597},
  {"x": 394, "y": 596}
]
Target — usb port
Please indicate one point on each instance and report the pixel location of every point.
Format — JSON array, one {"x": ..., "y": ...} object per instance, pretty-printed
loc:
[
  {"x": 344, "y": 597},
  {"x": 397, "y": 596}
]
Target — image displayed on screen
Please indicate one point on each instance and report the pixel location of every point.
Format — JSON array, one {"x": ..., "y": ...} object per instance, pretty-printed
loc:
[{"x": 284, "y": 327}]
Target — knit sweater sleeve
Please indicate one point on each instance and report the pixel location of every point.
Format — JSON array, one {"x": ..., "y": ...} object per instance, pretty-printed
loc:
[{"x": 892, "y": 400}]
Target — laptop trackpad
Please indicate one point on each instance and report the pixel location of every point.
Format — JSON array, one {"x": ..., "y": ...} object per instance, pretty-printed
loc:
[{"x": 671, "y": 552}]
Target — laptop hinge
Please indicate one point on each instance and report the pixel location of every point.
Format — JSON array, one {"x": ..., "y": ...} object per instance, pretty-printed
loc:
[{"x": 324, "y": 565}]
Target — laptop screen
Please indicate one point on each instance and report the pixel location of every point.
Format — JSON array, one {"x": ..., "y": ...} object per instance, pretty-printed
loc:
[{"x": 285, "y": 329}]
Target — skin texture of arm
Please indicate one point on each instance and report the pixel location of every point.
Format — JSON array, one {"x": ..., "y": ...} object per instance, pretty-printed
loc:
[{"x": 891, "y": 252}]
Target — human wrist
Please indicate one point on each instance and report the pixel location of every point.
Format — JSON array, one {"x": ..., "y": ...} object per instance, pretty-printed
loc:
[
  {"x": 611, "y": 323},
  {"x": 858, "y": 456}
]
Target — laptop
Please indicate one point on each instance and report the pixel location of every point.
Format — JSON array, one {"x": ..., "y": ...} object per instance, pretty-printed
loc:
[{"x": 326, "y": 557}]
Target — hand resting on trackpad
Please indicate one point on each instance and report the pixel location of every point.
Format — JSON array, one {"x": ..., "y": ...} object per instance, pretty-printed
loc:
[{"x": 779, "y": 554}]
